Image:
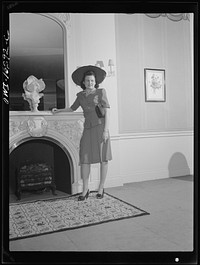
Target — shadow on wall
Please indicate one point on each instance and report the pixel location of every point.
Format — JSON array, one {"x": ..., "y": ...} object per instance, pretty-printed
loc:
[{"x": 178, "y": 165}]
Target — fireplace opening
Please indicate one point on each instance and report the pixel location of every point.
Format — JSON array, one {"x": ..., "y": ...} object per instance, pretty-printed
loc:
[{"x": 41, "y": 151}]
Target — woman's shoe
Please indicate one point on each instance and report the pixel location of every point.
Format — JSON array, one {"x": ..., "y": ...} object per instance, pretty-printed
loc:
[
  {"x": 100, "y": 196},
  {"x": 82, "y": 198}
]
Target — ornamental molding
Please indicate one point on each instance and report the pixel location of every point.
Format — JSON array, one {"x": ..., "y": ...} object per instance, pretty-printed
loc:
[
  {"x": 37, "y": 126},
  {"x": 171, "y": 16},
  {"x": 72, "y": 130},
  {"x": 34, "y": 126},
  {"x": 65, "y": 18},
  {"x": 16, "y": 126}
]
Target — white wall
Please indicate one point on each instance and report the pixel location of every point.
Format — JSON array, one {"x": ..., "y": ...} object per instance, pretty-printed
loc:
[
  {"x": 156, "y": 43},
  {"x": 143, "y": 157},
  {"x": 151, "y": 156},
  {"x": 149, "y": 141}
]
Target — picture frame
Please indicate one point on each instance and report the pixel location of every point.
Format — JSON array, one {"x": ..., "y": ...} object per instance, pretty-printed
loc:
[{"x": 155, "y": 87}]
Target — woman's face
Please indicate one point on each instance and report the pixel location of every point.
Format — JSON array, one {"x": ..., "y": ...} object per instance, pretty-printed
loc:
[{"x": 89, "y": 82}]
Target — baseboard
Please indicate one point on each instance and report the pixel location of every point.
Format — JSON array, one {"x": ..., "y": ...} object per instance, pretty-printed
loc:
[
  {"x": 145, "y": 176},
  {"x": 180, "y": 172}
]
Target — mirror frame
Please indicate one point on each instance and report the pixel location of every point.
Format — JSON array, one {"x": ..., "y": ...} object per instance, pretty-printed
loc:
[{"x": 63, "y": 19}]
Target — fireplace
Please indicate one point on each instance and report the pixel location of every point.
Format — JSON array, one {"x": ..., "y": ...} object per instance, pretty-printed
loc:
[
  {"x": 47, "y": 138},
  {"x": 34, "y": 176},
  {"x": 51, "y": 158}
]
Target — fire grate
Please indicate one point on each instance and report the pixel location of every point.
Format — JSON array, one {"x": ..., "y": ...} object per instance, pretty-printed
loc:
[{"x": 34, "y": 176}]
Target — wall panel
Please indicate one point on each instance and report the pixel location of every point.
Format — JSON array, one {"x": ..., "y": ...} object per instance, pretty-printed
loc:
[
  {"x": 144, "y": 42},
  {"x": 150, "y": 156}
]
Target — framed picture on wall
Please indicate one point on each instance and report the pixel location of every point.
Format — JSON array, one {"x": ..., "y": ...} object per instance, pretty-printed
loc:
[{"x": 154, "y": 82}]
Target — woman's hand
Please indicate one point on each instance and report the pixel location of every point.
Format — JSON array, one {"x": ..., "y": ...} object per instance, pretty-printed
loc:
[
  {"x": 105, "y": 135},
  {"x": 54, "y": 110}
]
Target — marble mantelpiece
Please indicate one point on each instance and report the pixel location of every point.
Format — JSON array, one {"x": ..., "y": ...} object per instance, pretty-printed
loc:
[{"x": 64, "y": 129}]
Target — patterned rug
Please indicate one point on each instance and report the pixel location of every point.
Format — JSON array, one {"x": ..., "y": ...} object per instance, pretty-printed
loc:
[{"x": 60, "y": 214}]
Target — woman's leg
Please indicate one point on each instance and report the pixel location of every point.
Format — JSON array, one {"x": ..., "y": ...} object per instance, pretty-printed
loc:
[
  {"x": 85, "y": 172},
  {"x": 103, "y": 174}
]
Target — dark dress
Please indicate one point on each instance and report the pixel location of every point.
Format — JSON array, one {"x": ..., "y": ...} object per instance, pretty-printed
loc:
[{"x": 92, "y": 147}]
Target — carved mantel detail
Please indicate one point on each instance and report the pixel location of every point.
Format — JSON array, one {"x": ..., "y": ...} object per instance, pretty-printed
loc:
[
  {"x": 16, "y": 126},
  {"x": 38, "y": 126},
  {"x": 72, "y": 130}
]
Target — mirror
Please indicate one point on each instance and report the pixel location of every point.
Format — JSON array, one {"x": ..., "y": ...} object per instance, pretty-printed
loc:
[{"x": 36, "y": 48}]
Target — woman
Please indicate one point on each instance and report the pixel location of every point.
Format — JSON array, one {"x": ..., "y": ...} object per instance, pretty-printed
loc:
[{"x": 95, "y": 144}]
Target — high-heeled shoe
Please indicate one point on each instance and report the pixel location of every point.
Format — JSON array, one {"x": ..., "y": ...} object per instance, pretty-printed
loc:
[
  {"x": 100, "y": 196},
  {"x": 82, "y": 198}
]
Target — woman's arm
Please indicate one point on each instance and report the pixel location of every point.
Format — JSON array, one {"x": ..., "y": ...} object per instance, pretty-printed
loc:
[
  {"x": 107, "y": 119},
  {"x": 55, "y": 110},
  {"x": 106, "y": 127}
]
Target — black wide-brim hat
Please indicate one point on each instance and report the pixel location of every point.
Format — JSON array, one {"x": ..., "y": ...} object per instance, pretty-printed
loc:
[{"x": 77, "y": 75}]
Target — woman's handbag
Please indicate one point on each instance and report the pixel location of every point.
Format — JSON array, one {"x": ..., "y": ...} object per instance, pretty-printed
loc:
[{"x": 100, "y": 111}]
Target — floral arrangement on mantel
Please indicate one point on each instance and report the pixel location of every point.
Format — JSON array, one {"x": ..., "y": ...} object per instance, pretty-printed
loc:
[{"x": 32, "y": 88}]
